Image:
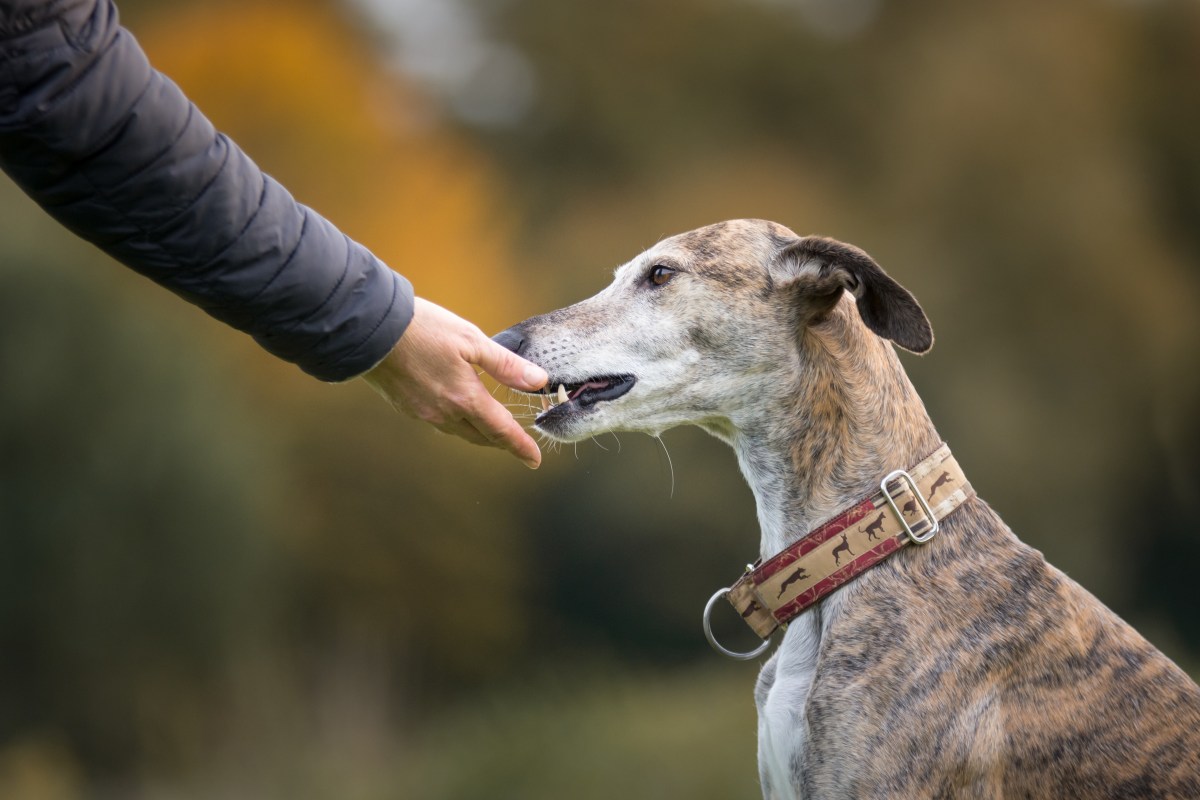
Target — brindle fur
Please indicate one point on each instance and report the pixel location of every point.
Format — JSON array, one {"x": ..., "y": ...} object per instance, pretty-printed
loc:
[{"x": 966, "y": 667}]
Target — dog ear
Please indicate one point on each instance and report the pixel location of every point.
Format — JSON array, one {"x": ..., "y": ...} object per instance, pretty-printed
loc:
[{"x": 885, "y": 306}]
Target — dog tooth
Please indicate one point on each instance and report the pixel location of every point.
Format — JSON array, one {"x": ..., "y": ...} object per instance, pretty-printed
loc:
[
  {"x": 545, "y": 402},
  {"x": 562, "y": 393}
]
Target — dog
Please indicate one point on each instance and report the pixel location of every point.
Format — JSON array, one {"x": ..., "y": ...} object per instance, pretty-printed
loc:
[
  {"x": 844, "y": 547},
  {"x": 872, "y": 531},
  {"x": 798, "y": 575},
  {"x": 964, "y": 667}
]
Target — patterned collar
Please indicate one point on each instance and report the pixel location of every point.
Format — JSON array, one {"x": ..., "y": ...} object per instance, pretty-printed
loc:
[{"x": 908, "y": 508}]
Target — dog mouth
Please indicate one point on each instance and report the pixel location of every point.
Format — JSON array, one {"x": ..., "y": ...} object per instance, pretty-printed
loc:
[{"x": 562, "y": 398}]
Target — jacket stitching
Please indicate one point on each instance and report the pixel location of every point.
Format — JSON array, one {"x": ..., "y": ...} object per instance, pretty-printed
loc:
[
  {"x": 141, "y": 169},
  {"x": 227, "y": 152},
  {"x": 379, "y": 323},
  {"x": 287, "y": 261},
  {"x": 320, "y": 306}
]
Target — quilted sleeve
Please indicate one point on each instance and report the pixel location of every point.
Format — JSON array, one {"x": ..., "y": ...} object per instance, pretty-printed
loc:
[{"x": 113, "y": 150}]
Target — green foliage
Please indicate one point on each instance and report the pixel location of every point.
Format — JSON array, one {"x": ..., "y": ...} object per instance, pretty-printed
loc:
[
  {"x": 131, "y": 498},
  {"x": 640, "y": 735},
  {"x": 577, "y": 729}
]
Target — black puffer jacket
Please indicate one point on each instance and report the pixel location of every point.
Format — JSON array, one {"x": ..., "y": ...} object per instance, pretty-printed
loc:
[{"x": 113, "y": 150}]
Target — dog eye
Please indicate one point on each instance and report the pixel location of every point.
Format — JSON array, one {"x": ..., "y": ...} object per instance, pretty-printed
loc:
[{"x": 659, "y": 275}]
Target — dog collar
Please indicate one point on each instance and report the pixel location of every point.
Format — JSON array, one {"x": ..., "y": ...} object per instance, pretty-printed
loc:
[{"x": 908, "y": 508}]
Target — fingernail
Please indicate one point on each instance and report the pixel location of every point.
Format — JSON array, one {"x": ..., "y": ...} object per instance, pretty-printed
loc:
[
  {"x": 536, "y": 376},
  {"x": 532, "y": 463}
]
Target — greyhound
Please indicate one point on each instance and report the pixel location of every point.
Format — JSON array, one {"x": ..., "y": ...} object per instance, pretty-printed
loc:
[
  {"x": 963, "y": 667},
  {"x": 875, "y": 527},
  {"x": 844, "y": 547}
]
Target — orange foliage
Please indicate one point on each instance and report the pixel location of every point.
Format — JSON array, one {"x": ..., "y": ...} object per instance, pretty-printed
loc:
[{"x": 298, "y": 88}]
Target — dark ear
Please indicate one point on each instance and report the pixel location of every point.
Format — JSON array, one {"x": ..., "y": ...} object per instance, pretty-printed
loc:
[{"x": 885, "y": 306}]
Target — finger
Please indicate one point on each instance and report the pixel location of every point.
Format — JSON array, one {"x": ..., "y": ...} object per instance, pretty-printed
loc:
[
  {"x": 507, "y": 367},
  {"x": 466, "y": 431},
  {"x": 499, "y": 427},
  {"x": 528, "y": 451}
]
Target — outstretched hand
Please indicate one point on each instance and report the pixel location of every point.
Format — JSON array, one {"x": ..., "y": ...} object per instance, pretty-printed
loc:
[{"x": 430, "y": 374}]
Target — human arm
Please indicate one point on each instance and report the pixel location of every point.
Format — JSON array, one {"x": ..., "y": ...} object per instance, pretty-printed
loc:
[{"x": 114, "y": 150}]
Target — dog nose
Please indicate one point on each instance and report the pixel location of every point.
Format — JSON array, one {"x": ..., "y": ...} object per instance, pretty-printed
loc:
[{"x": 512, "y": 339}]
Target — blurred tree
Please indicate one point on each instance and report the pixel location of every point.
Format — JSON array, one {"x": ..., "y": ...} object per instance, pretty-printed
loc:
[
  {"x": 162, "y": 546},
  {"x": 671, "y": 522},
  {"x": 407, "y": 564},
  {"x": 1163, "y": 64},
  {"x": 1165, "y": 124},
  {"x": 131, "y": 498},
  {"x": 623, "y": 94},
  {"x": 296, "y": 86}
]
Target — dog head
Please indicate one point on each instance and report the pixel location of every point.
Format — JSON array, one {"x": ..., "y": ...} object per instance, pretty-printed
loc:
[{"x": 698, "y": 327}]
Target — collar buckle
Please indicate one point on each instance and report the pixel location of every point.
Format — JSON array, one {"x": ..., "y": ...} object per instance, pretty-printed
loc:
[{"x": 930, "y": 520}]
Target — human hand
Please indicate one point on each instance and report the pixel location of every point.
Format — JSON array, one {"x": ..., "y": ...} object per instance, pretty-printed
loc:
[{"x": 430, "y": 375}]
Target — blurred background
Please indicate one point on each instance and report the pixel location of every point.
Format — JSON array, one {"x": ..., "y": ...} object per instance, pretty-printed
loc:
[{"x": 222, "y": 579}]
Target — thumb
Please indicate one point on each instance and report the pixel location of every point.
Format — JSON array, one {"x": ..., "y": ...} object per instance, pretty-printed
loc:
[{"x": 509, "y": 368}]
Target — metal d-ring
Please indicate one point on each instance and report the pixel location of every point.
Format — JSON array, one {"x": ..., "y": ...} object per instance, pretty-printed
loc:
[{"x": 708, "y": 634}]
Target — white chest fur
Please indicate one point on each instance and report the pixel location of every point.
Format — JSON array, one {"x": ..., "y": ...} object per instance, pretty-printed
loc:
[{"x": 782, "y": 696}]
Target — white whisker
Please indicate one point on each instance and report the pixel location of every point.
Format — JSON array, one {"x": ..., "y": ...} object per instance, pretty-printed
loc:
[{"x": 670, "y": 464}]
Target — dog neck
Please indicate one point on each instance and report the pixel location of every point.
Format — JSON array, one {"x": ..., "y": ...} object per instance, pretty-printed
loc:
[{"x": 843, "y": 416}]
